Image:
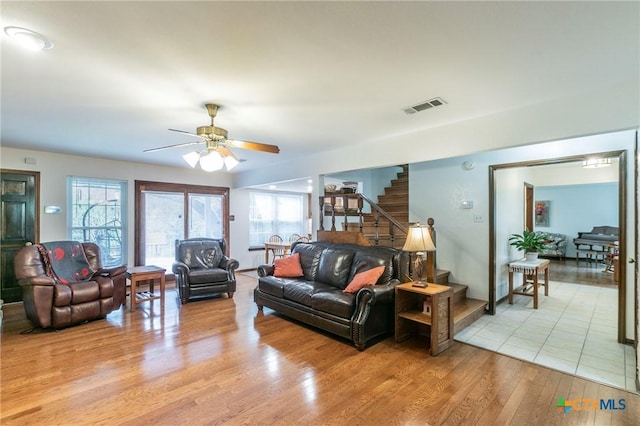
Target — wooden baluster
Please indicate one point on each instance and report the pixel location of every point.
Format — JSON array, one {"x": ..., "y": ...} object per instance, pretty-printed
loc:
[
  {"x": 431, "y": 255},
  {"x": 345, "y": 208},
  {"x": 333, "y": 213},
  {"x": 376, "y": 224},
  {"x": 323, "y": 201},
  {"x": 392, "y": 234},
  {"x": 360, "y": 214}
]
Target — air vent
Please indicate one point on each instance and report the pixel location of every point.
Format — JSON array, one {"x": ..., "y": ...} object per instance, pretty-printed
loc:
[{"x": 431, "y": 103}]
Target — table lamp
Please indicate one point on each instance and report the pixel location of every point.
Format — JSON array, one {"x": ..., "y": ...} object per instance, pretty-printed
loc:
[{"x": 418, "y": 241}]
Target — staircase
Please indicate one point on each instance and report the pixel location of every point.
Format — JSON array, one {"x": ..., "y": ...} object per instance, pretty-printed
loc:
[{"x": 383, "y": 231}]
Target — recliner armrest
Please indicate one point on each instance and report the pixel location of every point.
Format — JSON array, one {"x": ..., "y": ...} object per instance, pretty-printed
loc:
[
  {"x": 180, "y": 268},
  {"x": 229, "y": 264},
  {"x": 38, "y": 280},
  {"x": 111, "y": 272}
]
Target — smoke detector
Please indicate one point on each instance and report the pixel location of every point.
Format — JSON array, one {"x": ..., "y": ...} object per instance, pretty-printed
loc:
[{"x": 431, "y": 103}]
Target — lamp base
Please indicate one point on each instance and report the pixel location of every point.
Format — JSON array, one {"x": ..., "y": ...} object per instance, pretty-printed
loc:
[{"x": 421, "y": 284}]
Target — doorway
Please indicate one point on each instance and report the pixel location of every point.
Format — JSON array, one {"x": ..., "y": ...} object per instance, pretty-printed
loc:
[
  {"x": 498, "y": 254},
  {"x": 20, "y": 224}
]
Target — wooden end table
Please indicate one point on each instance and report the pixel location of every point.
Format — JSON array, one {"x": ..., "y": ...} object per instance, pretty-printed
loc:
[
  {"x": 137, "y": 274},
  {"x": 431, "y": 306},
  {"x": 529, "y": 267}
]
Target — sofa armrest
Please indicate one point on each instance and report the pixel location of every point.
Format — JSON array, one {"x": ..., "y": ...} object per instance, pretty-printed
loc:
[
  {"x": 265, "y": 270},
  {"x": 384, "y": 293},
  {"x": 180, "y": 268}
]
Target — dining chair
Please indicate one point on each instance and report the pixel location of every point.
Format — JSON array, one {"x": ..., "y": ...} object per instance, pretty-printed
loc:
[{"x": 277, "y": 251}]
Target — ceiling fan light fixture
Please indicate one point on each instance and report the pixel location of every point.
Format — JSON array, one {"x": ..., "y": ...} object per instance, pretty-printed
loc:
[
  {"x": 28, "y": 39},
  {"x": 192, "y": 158},
  {"x": 231, "y": 161},
  {"x": 211, "y": 162}
]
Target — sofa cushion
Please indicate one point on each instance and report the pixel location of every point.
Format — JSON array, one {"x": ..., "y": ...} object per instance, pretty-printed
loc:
[
  {"x": 309, "y": 258},
  {"x": 299, "y": 291},
  {"x": 333, "y": 301},
  {"x": 365, "y": 278},
  {"x": 335, "y": 266},
  {"x": 205, "y": 276},
  {"x": 288, "y": 267},
  {"x": 274, "y": 286}
]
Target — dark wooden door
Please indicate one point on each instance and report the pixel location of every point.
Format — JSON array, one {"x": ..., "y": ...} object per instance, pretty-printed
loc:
[{"x": 19, "y": 216}]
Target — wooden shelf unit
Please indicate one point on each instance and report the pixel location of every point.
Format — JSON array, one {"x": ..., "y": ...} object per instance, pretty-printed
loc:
[{"x": 410, "y": 318}]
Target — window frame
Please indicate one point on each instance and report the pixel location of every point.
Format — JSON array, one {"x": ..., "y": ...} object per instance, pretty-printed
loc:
[
  {"x": 186, "y": 190},
  {"x": 72, "y": 182}
]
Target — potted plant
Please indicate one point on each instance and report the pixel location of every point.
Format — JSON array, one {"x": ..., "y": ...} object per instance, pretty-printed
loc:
[{"x": 529, "y": 242}]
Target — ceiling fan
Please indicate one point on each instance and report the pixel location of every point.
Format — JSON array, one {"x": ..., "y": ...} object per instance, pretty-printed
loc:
[{"x": 216, "y": 153}]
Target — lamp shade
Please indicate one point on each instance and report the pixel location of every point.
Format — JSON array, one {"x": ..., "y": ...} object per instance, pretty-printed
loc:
[
  {"x": 418, "y": 239},
  {"x": 192, "y": 158},
  {"x": 211, "y": 162}
]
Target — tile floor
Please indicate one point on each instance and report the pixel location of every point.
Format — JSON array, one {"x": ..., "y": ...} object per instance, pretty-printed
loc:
[{"x": 573, "y": 330}]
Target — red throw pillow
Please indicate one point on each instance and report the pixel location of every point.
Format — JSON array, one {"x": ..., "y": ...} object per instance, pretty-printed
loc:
[
  {"x": 363, "y": 279},
  {"x": 288, "y": 267}
]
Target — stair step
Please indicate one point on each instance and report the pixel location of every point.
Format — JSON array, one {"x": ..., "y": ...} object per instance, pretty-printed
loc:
[
  {"x": 459, "y": 292},
  {"x": 399, "y": 189},
  {"x": 393, "y": 198},
  {"x": 466, "y": 312}
]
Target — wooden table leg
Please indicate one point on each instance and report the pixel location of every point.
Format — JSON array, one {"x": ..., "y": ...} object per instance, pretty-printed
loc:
[
  {"x": 535, "y": 290},
  {"x": 546, "y": 281},
  {"x": 132, "y": 295},
  {"x": 510, "y": 287},
  {"x": 162, "y": 292}
]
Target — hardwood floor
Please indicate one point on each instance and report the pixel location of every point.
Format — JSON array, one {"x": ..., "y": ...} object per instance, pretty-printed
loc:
[
  {"x": 222, "y": 362},
  {"x": 569, "y": 271}
]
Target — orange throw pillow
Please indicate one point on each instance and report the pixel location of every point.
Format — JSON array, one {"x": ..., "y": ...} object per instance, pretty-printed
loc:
[
  {"x": 364, "y": 278},
  {"x": 288, "y": 267}
]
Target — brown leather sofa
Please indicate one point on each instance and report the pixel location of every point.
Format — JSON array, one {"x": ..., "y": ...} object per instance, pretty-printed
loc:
[
  {"x": 317, "y": 298},
  {"x": 52, "y": 302},
  {"x": 202, "y": 269}
]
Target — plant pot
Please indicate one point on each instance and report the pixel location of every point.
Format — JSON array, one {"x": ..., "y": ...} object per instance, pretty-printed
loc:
[{"x": 531, "y": 255}]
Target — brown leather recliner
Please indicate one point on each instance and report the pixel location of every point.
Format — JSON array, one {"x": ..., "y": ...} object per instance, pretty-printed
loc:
[{"x": 52, "y": 300}]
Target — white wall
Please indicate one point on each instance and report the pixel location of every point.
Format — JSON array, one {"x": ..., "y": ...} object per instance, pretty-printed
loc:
[
  {"x": 437, "y": 187},
  {"x": 578, "y": 208},
  {"x": 55, "y": 168}
]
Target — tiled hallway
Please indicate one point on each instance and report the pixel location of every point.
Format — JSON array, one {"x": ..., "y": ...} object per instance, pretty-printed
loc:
[{"x": 574, "y": 330}]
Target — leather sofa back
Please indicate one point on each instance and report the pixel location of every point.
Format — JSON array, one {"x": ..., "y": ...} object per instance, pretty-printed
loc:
[{"x": 337, "y": 264}]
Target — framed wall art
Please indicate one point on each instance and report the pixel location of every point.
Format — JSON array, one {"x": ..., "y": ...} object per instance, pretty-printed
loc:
[{"x": 541, "y": 211}]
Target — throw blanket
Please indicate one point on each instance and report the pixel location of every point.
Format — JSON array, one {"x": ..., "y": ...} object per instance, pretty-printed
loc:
[{"x": 68, "y": 261}]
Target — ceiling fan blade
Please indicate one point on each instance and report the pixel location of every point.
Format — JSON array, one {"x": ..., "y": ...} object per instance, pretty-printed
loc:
[
  {"x": 173, "y": 146},
  {"x": 186, "y": 133},
  {"x": 253, "y": 146}
]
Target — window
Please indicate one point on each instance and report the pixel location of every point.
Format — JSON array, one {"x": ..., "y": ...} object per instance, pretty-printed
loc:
[
  {"x": 97, "y": 214},
  {"x": 166, "y": 212},
  {"x": 275, "y": 213}
]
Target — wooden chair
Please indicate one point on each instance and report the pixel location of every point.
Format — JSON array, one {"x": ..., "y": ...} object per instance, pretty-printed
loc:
[
  {"x": 294, "y": 237},
  {"x": 303, "y": 239},
  {"x": 277, "y": 251}
]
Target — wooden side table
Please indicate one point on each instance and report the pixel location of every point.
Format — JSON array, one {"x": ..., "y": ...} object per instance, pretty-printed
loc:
[
  {"x": 529, "y": 267},
  {"x": 142, "y": 273},
  {"x": 431, "y": 306}
]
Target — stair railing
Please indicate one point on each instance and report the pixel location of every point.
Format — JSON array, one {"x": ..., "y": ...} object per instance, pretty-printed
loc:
[{"x": 345, "y": 205}]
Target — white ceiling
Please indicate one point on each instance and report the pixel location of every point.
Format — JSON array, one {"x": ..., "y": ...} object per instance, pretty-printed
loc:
[{"x": 306, "y": 76}]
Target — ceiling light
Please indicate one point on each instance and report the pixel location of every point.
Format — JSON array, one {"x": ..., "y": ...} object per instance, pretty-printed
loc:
[
  {"x": 28, "y": 39},
  {"x": 212, "y": 161},
  {"x": 593, "y": 163},
  {"x": 231, "y": 161},
  {"x": 192, "y": 158}
]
